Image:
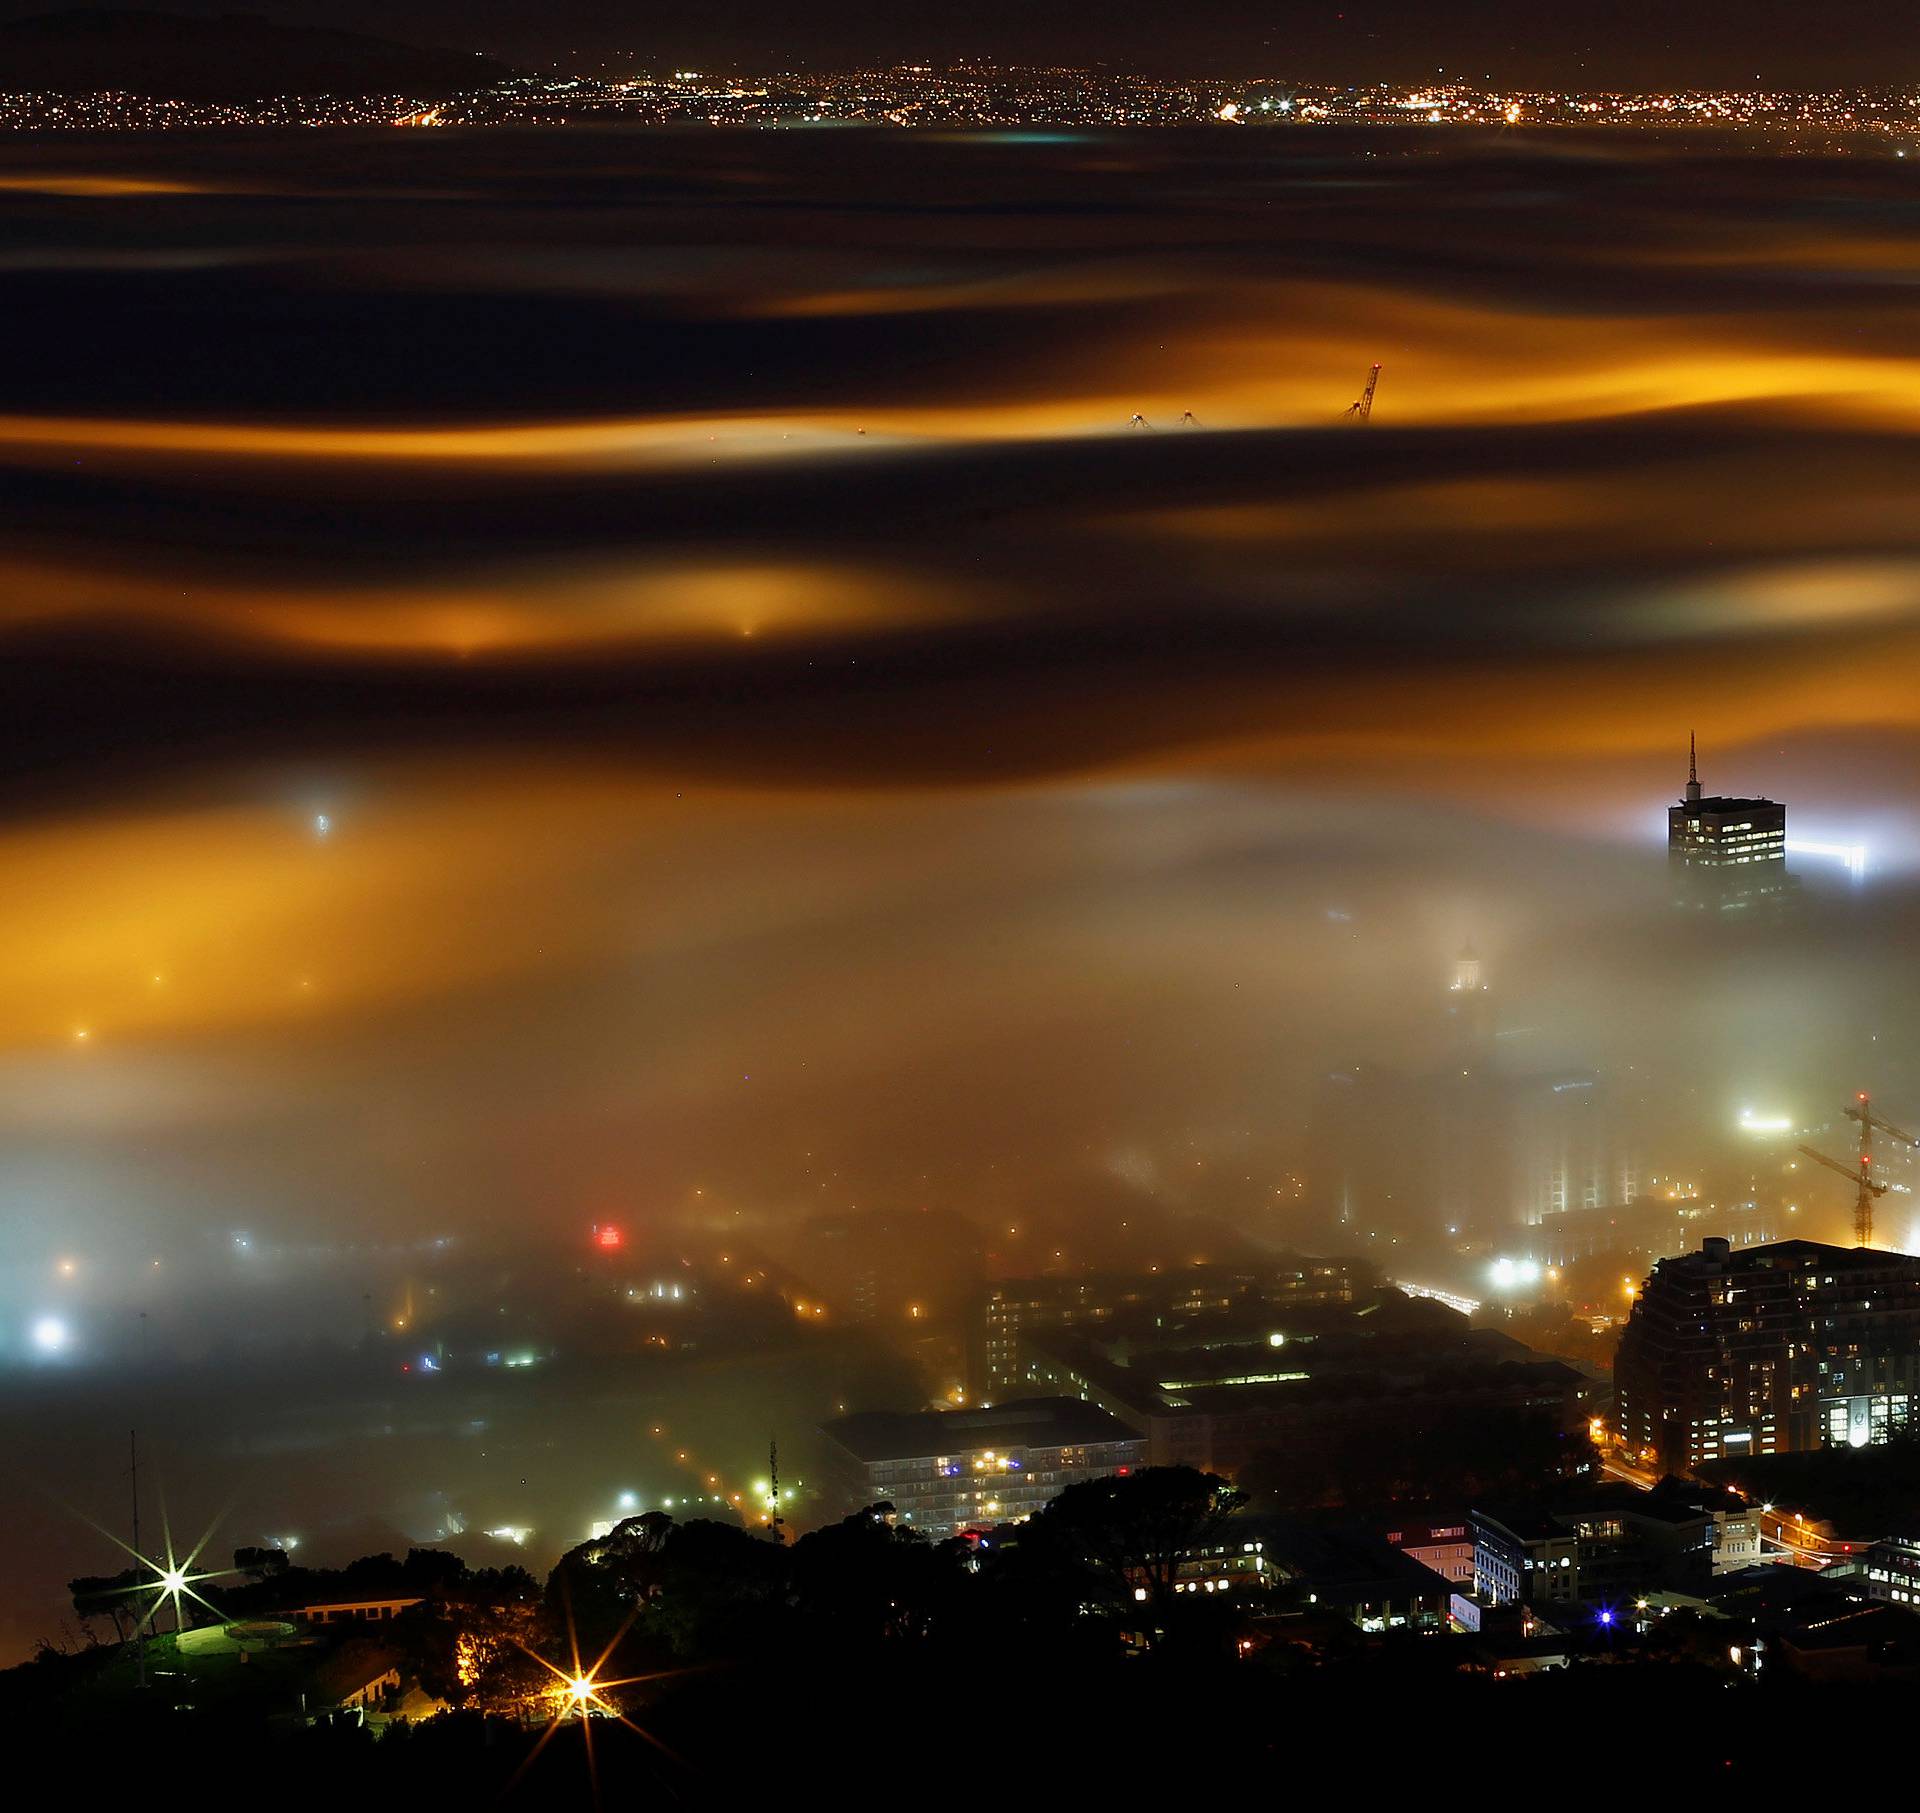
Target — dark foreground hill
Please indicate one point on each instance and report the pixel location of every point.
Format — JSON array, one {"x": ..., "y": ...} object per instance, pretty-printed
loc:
[{"x": 233, "y": 58}]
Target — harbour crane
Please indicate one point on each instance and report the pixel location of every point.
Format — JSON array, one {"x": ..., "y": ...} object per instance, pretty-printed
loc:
[
  {"x": 1362, "y": 405},
  {"x": 1861, "y": 1171}
]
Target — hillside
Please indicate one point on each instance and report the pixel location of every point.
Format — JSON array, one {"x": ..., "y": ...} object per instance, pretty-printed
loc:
[{"x": 233, "y": 58}]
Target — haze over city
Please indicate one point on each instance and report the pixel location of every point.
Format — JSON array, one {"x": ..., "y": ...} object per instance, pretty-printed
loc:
[{"x": 672, "y": 790}]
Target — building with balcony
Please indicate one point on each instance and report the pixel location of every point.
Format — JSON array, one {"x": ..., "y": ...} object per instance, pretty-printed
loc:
[{"x": 1731, "y": 1353}]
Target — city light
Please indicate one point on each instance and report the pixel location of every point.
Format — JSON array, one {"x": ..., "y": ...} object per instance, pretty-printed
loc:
[
  {"x": 1852, "y": 856},
  {"x": 855, "y": 665},
  {"x": 50, "y": 1335}
]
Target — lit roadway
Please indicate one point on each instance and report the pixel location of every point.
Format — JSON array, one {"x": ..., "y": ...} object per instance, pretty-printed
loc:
[{"x": 1616, "y": 1469}]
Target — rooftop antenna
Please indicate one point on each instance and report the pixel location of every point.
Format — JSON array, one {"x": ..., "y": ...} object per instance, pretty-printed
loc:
[{"x": 1693, "y": 773}]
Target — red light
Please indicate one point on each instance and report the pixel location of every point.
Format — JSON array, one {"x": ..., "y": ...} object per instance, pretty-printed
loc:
[
  {"x": 1123, "y": 1471},
  {"x": 608, "y": 1236}
]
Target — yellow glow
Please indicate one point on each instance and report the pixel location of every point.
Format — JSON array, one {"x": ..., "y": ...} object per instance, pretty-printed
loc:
[{"x": 84, "y": 187}]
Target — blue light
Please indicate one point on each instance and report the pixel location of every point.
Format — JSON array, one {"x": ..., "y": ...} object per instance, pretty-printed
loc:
[{"x": 1606, "y": 1617}]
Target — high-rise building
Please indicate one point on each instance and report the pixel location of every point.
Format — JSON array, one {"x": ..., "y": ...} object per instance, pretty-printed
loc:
[
  {"x": 1769, "y": 1350},
  {"x": 1568, "y": 1154},
  {"x": 1726, "y": 855}
]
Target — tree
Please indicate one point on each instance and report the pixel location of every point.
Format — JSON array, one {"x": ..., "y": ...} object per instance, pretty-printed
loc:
[
  {"x": 1129, "y": 1533},
  {"x": 868, "y": 1578},
  {"x": 602, "y": 1582},
  {"x": 721, "y": 1590},
  {"x": 125, "y": 1597},
  {"x": 431, "y": 1571}
]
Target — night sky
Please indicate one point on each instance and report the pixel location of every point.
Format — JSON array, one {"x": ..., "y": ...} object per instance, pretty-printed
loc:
[{"x": 1649, "y": 43}]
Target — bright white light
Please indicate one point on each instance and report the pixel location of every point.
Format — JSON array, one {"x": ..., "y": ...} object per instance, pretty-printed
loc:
[
  {"x": 1764, "y": 1123},
  {"x": 1853, "y": 855},
  {"x": 50, "y": 1335},
  {"x": 322, "y": 824},
  {"x": 174, "y": 1579},
  {"x": 1507, "y": 1273},
  {"x": 1276, "y": 1340},
  {"x": 629, "y": 1500}
]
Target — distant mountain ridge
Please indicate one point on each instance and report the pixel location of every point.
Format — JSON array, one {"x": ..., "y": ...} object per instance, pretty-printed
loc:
[{"x": 236, "y": 57}]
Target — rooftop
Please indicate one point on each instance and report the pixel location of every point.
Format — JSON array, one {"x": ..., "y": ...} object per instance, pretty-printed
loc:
[
  {"x": 873, "y": 1435},
  {"x": 1722, "y": 802},
  {"x": 1782, "y": 1255}
]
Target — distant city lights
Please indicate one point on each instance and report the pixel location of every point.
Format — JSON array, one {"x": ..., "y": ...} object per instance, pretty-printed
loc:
[{"x": 1751, "y": 1122}]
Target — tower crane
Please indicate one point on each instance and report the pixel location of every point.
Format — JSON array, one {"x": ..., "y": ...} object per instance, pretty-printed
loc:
[
  {"x": 1861, "y": 1171},
  {"x": 1362, "y": 405}
]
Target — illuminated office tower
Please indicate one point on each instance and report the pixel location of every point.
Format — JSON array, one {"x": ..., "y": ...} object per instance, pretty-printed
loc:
[
  {"x": 1726, "y": 855},
  {"x": 1468, "y": 1111}
]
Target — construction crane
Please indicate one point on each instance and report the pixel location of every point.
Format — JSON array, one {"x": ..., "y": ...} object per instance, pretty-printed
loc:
[
  {"x": 1861, "y": 1171},
  {"x": 1362, "y": 405}
]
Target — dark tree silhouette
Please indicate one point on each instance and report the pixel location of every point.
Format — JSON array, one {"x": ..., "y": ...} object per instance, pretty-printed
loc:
[{"x": 1128, "y": 1534}]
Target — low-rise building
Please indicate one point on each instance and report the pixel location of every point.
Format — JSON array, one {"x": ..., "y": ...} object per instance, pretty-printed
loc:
[
  {"x": 1016, "y": 1312},
  {"x": 1224, "y": 1392},
  {"x": 1353, "y": 1574},
  {"x": 1445, "y": 1546},
  {"x": 945, "y": 1472},
  {"x": 354, "y": 1611},
  {"x": 1609, "y": 1543},
  {"x": 1524, "y": 1558},
  {"x": 1892, "y": 1571}
]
